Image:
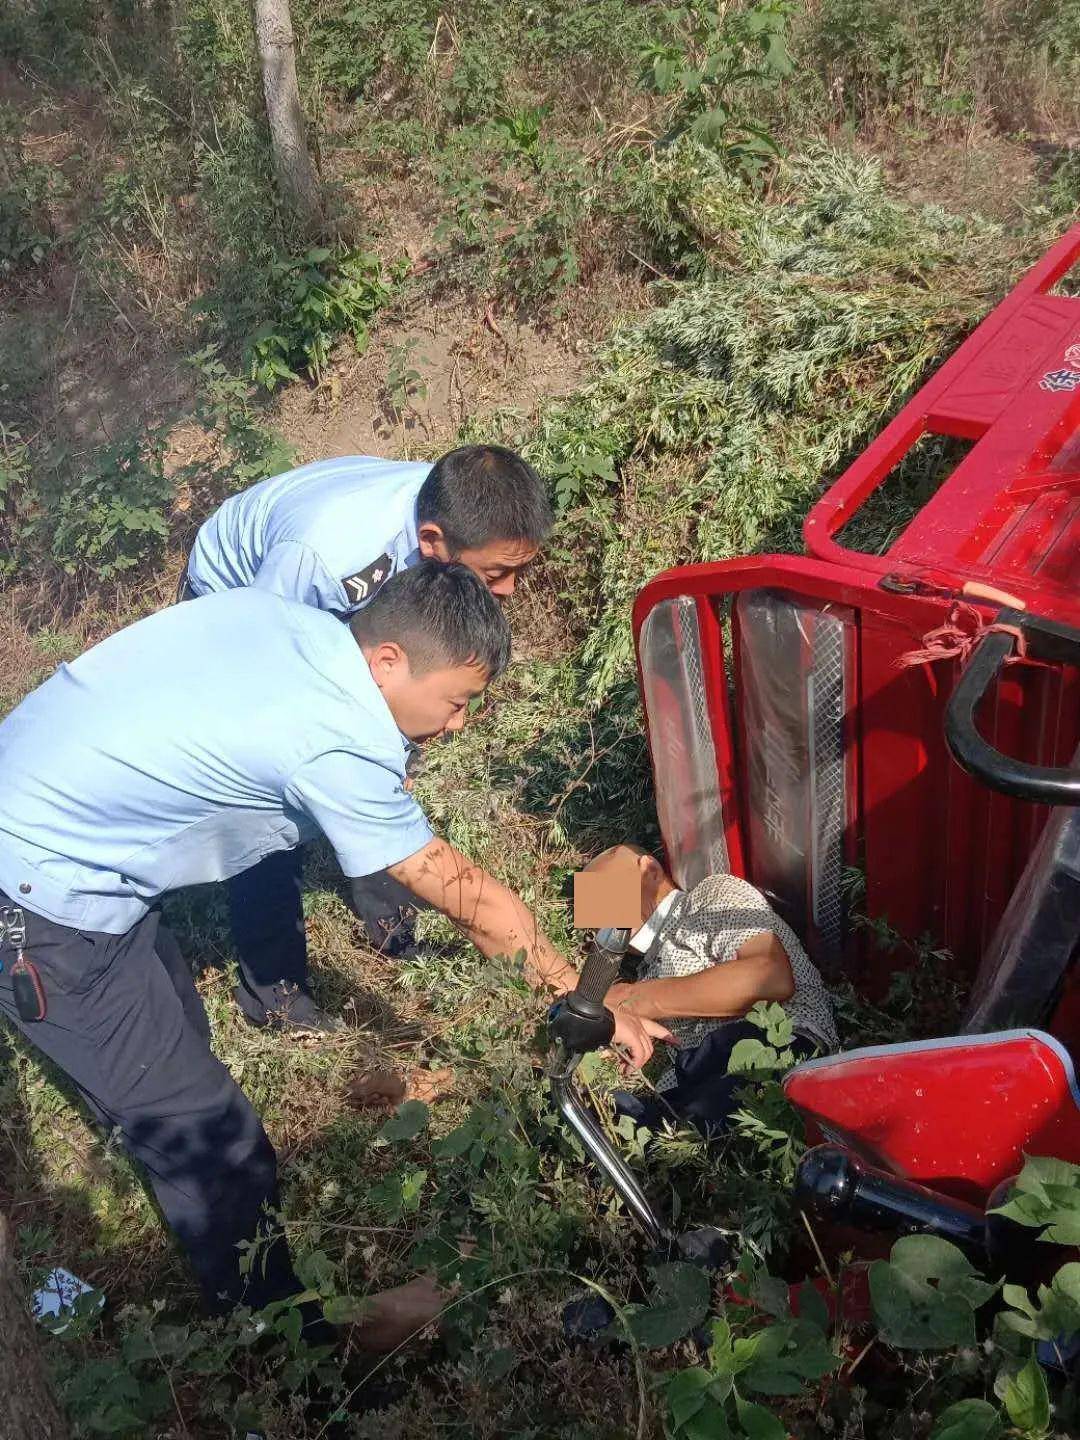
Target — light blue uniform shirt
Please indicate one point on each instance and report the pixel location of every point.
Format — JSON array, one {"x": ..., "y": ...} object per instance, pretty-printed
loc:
[
  {"x": 188, "y": 746},
  {"x": 327, "y": 534}
]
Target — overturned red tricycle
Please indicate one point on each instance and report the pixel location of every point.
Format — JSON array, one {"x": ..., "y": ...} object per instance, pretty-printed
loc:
[{"x": 915, "y": 714}]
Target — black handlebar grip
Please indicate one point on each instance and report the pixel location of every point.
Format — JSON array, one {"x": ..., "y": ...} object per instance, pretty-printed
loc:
[
  {"x": 601, "y": 968},
  {"x": 837, "y": 1185},
  {"x": 1043, "y": 784}
]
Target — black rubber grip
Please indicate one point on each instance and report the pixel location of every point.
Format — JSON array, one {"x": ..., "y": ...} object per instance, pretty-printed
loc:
[
  {"x": 1044, "y": 784},
  {"x": 601, "y": 968}
]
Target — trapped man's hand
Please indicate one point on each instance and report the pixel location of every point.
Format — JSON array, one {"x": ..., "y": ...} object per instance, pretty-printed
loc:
[{"x": 637, "y": 1037}]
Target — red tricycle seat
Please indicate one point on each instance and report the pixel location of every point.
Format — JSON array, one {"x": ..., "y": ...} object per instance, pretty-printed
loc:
[{"x": 957, "y": 1114}]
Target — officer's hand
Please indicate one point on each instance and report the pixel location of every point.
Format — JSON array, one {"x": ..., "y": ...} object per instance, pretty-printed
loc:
[{"x": 636, "y": 1037}]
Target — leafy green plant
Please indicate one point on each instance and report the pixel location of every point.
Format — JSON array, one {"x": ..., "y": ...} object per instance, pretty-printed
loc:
[
  {"x": 15, "y": 493},
  {"x": 108, "y": 512},
  {"x": 249, "y": 451},
  {"x": 926, "y": 1294},
  {"x": 722, "y": 58},
  {"x": 404, "y": 382},
  {"x": 1046, "y": 1196},
  {"x": 943, "y": 59},
  {"x": 129, "y": 1391},
  {"x": 1053, "y": 1315},
  {"x": 320, "y": 296},
  {"x": 27, "y": 236},
  {"x": 474, "y": 89},
  {"x": 782, "y": 1357},
  {"x": 522, "y": 129},
  {"x": 345, "y": 47}
]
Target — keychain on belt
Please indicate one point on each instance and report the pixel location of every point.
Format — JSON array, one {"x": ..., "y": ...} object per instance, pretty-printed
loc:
[{"x": 25, "y": 981}]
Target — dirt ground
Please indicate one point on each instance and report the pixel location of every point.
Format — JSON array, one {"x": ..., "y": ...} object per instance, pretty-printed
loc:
[{"x": 469, "y": 362}]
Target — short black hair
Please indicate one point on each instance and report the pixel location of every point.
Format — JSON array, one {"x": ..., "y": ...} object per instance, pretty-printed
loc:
[
  {"x": 481, "y": 493},
  {"x": 440, "y": 615}
]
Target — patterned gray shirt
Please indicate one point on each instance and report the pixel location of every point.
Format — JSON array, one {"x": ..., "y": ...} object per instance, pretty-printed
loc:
[{"x": 706, "y": 926}]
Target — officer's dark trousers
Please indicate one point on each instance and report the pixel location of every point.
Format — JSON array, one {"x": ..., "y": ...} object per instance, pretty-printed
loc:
[
  {"x": 126, "y": 1024},
  {"x": 267, "y": 914}
]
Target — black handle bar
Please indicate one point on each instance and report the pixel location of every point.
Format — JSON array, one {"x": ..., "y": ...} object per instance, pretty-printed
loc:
[
  {"x": 602, "y": 963},
  {"x": 1045, "y": 784}
]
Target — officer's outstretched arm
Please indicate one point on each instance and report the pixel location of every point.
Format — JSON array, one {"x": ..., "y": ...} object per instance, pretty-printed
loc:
[
  {"x": 493, "y": 917},
  {"x": 499, "y": 923}
]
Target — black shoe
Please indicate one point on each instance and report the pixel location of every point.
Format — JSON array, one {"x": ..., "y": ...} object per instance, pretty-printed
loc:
[
  {"x": 393, "y": 934},
  {"x": 587, "y": 1318},
  {"x": 290, "y": 1009}
]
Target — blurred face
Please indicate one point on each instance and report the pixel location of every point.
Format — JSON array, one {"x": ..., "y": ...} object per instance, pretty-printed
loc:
[
  {"x": 424, "y": 705},
  {"x": 634, "y": 871},
  {"x": 498, "y": 563}
]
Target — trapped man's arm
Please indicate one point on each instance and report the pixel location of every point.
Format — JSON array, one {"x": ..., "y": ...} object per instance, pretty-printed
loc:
[{"x": 760, "y": 971}]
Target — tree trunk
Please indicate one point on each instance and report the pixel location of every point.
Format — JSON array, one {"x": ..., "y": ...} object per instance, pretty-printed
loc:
[
  {"x": 27, "y": 1408},
  {"x": 296, "y": 178}
]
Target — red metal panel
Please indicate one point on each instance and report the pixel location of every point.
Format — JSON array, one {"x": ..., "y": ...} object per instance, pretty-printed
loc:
[
  {"x": 958, "y": 1114},
  {"x": 712, "y": 645},
  {"x": 905, "y": 819},
  {"x": 1006, "y": 516},
  {"x": 941, "y": 854},
  {"x": 1003, "y": 370}
]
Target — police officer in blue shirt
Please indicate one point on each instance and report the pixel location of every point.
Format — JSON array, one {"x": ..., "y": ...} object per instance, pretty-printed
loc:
[
  {"x": 331, "y": 534},
  {"x": 121, "y": 780}
]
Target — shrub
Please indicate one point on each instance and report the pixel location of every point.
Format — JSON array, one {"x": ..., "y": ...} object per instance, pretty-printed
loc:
[
  {"x": 27, "y": 237},
  {"x": 318, "y": 298},
  {"x": 942, "y": 58}
]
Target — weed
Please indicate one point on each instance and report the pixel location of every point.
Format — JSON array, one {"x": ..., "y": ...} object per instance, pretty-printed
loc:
[
  {"x": 15, "y": 489},
  {"x": 27, "y": 236},
  {"x": 474, "y": 89},
  {"x": 319, "y": 297},
  {"x": 1063, "y": 189},
  {"x": 106, "y": 513},
  {"x": 719, "y": 60},
  {"x": 942, "y": 60},
  {"x": 807, "y": 306},
  {"x": 404, "y": 382},
  {"x": 346, "y": 47}
]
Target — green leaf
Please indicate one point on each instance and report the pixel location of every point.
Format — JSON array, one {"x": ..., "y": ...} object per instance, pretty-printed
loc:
[
  {"x": 1027, "y": 1399},
  {"x": 812, "y": 1306},
  {"x": 912, "y": 1316},
  {"x": 710, "y": 1423},
  {"x": 785, "y": 1356},
  {"x": 721, "y": 1355},
  {"x": 750, "y": 1055},
  {"x": 968, "y": 1420},
  {"x": 1046, "y": 1193},
  {"x": 407, "y": 1121},
  {"x": 759, "y": 1423},
  {"x": 931, "y": 1259},
  {"x": 1057, "y": 1313},
  {"x": 680, "y": 1303},
  {"x": 686, "y": 1394},
  {"x": 1019, "y": 1299},
  {"x": 771, "y": 1294},
  {"x": 924, "y": 1297},
  {"x": 774, "y": 1020},
  {"x": 1065, "y": 1231},
  {"x": 454, "y": 1145}
]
